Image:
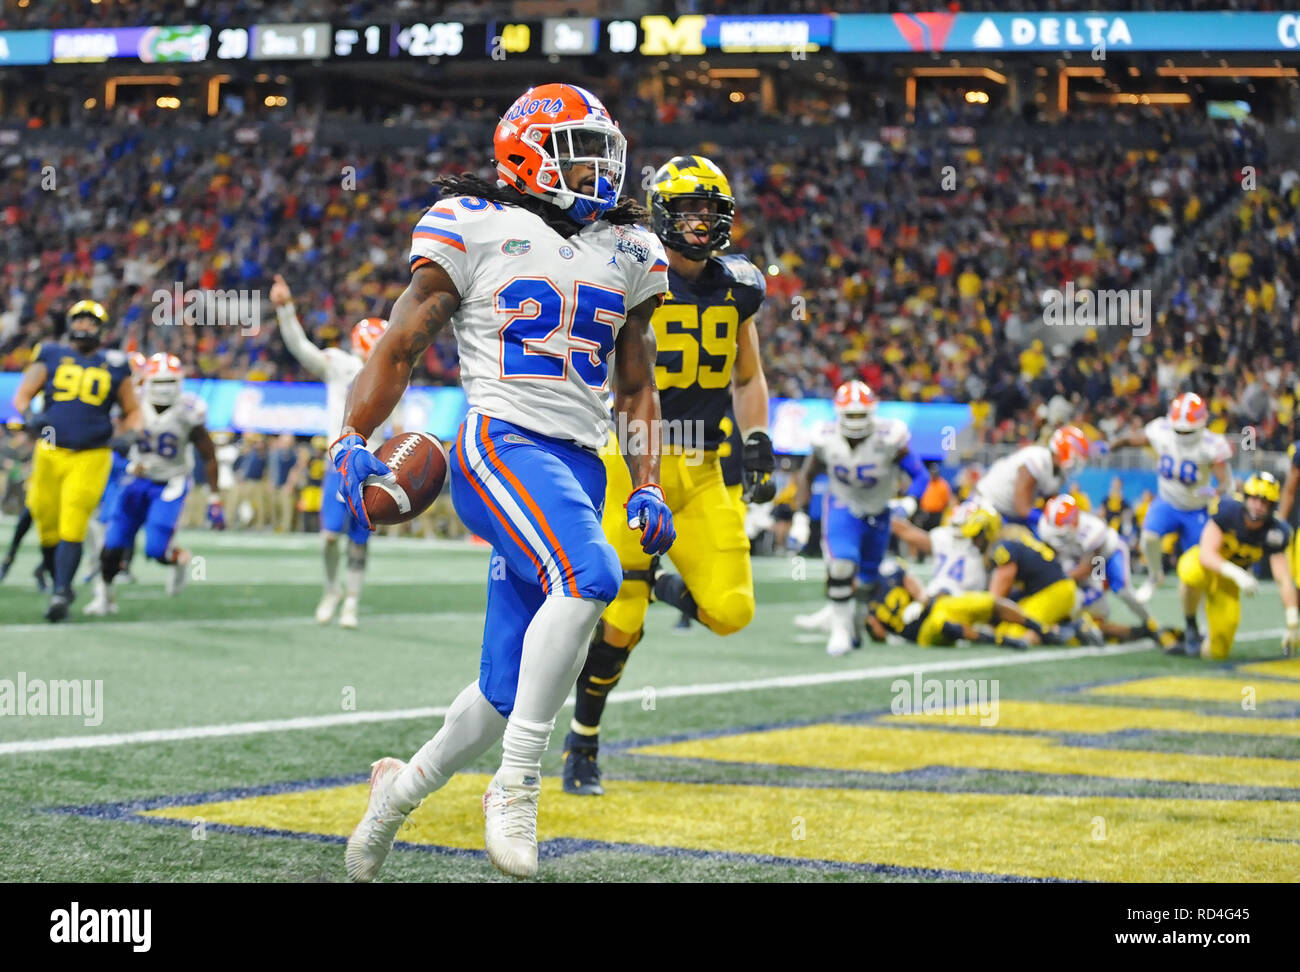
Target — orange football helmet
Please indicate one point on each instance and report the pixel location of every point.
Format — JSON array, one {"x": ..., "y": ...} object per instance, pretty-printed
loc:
[
  {"x": 550, "y": 128},
  {"x": 1188, "y": 413},
  {"x": 163, "y": 378},
  {"x": 1062, "y": 511},
  {"x": 366, "y": 334},
  {"x": 855, "y": 409},
  {"x": 1069, "y": 446}
]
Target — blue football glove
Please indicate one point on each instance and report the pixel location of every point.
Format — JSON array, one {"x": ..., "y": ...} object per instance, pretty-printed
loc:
[
  {"x": 647, "y": 512},
  {"x": 355, "y": 463},
  {"x": 216, "y": 513}
]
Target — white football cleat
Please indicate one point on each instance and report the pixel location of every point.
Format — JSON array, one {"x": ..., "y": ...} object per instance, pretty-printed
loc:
[
  {"x": 104, "y": 602},
  {"x": 819, "y": 620},
  {"x": 510, "y": 822},
  {"x": 374, "y": 835},
  {"x": 329, "y": 602},
  {"x": 180, "y": 573},
  {"x": 348, "y": 616},
  {"x": 839, "y": 643}
]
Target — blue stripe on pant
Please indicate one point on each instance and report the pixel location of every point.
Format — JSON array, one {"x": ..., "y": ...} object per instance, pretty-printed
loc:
[
  {"x": 538, "y": 501},
  {"x": 846, "y": 536},
  {"x": 140, "y": 503}
]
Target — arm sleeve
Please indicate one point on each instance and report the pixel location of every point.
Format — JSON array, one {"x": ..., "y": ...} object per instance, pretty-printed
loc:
[
  {"x": 295, "y": 339},
  {"x": 911, "y": 464}
]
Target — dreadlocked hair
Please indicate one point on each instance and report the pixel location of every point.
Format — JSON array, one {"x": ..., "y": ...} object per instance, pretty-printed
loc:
[{"x": 626, "y": 212}]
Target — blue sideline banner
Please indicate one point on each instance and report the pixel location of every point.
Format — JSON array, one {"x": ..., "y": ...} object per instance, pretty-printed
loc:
[{"x": 299, "y": 407}]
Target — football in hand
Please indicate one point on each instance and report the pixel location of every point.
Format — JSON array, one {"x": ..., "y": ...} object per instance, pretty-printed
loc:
[{"x": 418, "y": 468}]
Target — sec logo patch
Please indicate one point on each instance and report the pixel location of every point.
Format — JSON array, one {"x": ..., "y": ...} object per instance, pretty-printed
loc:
[{"x": 566, "y": 252}]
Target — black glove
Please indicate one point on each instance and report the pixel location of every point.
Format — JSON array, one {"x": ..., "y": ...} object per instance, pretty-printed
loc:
[{"x": 759, "y": 464}]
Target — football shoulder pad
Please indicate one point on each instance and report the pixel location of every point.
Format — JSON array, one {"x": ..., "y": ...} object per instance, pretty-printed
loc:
[
  {"x": 893, "y": 434},
  {"x": 741, "y": 270}
]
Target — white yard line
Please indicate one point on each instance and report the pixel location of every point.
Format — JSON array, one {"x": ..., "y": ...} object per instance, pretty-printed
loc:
[{"x": 999, "y": 660}]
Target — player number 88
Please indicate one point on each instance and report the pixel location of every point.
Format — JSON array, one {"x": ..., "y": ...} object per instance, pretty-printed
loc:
[{"x": 1186, "y": 470}]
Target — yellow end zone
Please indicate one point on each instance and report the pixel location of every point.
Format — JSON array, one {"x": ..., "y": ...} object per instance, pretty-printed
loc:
[
  {"x": 1077, "y": 717},
  {"x": 1203, "y": 688},
  {"x": 1286, "y": 668},
  {"x": 1084, "y": 838},
  {"x": 873, "y": 749}
]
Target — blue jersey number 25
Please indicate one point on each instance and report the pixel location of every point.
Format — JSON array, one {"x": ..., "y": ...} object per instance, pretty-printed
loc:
[{"x": 539, "y": 311}]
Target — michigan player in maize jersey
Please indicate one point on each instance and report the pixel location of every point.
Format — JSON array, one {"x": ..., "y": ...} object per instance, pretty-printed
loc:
[
  {"x": 862, "y": 455},
  {"x": 901, "y": 606},
  {"x": 1242, "y": 532},
  {"x": 1187, "y": 455},
  {"x": 1027, "y": 571},
  {"x": 1014, "y": 484},
  {"x": 81, "y": 384},
  {"x": 157, "y": 481},
  {"x": 707, "y": 363},
  {"x": 336, "y": 368},
  {"x": 550, "y": 286}
]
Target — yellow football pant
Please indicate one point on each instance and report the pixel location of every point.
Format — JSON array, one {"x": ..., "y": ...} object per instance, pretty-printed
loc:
[
  {"x": 1222, "y": 601},
  {"x": 1052, "y": 605},
  {"x": 65, "y": 488},
  {"x": 975, "y": 607},
  {"x": 711, "y": 551}
]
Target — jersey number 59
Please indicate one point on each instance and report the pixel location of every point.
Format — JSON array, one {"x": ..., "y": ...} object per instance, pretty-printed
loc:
[{"x": 529, "y": 347}]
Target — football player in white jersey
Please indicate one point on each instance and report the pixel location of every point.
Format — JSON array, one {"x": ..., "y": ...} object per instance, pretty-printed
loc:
[
  {"x": 862, "y": 455},
  {"x": 157, "y": 480},
  {"x": 549, "y": 286},
  {"x": 1187, "y": 455},
  {"x": 1096, "y": 557},
  {"x": 336, "y": 368},
  {"x": 958, "y": 564},
  {"x": 1014, "y": 483}
]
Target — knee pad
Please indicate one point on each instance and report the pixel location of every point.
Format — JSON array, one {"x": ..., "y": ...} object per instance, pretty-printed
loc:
[
  {"x": 604, "y": 665},
  {"x": 729, "y": 614},
  {"x": 356, "y": 555},
  {"x": 839, "y": 579},
  {"x": 597, "y": 573}
]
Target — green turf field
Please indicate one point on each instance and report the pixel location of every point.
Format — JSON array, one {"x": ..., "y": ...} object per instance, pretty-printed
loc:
[{"x": 235, "y": 735}]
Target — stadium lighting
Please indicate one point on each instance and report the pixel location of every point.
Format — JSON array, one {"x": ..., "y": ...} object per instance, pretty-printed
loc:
[{"x": 111, "y": 85}]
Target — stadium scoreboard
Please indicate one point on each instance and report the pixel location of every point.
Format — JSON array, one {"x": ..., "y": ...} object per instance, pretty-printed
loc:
[{"x": 657, "y": 35}]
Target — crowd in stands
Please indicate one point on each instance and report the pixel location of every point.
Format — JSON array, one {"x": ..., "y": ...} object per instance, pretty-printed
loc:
[{"x": 917, "y": 265}]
